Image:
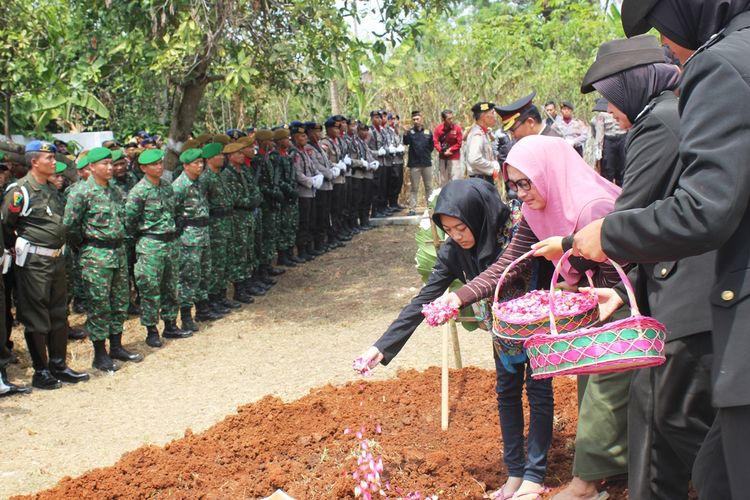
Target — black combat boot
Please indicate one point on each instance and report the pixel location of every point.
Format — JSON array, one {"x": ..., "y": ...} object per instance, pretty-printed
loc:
[
  {"x": 58, "y": 348},
  {"x": 284, "y": 259},
  {"x": 203, "y": 312},
  {"x": 7, "y": 388},
  {"x": 42, "y": 378},
  {"x": 264, "y": 277},
  {"x": 240, "y": 294},
  {"x": 312, "y": 250},
  {"x": 302, "y": 255},
  {"x": 255, "y": 286},
  {"x": 227, "y": 302},
  {"x": 117, "y": 351},
  {"x": 152, "y": 336},
  {"x": 102, "y": 361},
  {"x": 290, "y": 255},
  {"x": 186, "y": 313},
  {"x": 172, "y": 332},
  {"x": 79, "y": 305},
  {"x": 274, "y": 271}
]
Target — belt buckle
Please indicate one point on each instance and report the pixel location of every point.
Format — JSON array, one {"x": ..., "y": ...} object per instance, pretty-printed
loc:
[{"x": 57, "y": 253}]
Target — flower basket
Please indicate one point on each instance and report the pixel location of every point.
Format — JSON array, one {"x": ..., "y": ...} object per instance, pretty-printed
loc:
[
  {"x": 520, "y": 318},
  {"x": 626, "y": 344}
]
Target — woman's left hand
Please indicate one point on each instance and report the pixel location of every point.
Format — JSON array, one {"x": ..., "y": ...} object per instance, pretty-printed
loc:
[{"x": 551, "y": 248}]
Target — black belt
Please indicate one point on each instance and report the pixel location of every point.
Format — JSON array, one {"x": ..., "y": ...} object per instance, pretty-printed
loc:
[
  {"x": 167, "y": 237},
  {"x": 111, "y": 244},
  {"x": 200, "y": 222},
  {"x": 488, "y": 178},
  {"x": 220, "y": 212}
]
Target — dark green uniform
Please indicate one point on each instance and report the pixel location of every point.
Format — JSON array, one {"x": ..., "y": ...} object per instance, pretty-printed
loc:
[
  {"x": 149, "y": 216},
  {"x": 220, "y": 230},
  {"x": 76, "y": 289},
  {"x": 289, "y": 209},
  {"x": 269, "y": 181},
  {"x": 94, "y": 216},
  {"x": 242, "y": 247},
  {"x": 32, "y": 215},
  {"x": 192, "y": 219}
]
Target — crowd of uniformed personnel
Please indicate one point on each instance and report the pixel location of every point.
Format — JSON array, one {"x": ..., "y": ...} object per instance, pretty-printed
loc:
[{"x": 128, "y": 237}]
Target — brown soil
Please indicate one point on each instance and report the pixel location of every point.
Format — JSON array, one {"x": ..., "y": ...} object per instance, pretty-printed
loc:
[{"x": 301, "y": 446}]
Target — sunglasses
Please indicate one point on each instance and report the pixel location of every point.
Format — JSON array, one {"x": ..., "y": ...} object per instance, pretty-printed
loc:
[{"x": 524, "y": 184}]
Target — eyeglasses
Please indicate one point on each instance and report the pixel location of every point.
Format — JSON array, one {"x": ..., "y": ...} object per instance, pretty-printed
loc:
[
  {"x": 515, "y": 126},
  {"x": 524, "y": 184}
]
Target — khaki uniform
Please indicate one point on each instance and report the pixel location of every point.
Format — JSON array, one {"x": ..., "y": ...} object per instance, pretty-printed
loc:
[{"x": 480, "y": 158}]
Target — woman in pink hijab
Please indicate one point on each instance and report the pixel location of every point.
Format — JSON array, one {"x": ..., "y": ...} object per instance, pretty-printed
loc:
[{"x": 560, "y": 195}]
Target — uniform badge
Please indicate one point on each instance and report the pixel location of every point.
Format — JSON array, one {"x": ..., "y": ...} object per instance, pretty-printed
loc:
[{"x": 16, "y": 203}]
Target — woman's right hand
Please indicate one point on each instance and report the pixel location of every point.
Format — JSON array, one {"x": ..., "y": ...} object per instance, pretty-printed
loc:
[
  {"x": 371, "y": 357},
  {"x": 453, "y": 300}
]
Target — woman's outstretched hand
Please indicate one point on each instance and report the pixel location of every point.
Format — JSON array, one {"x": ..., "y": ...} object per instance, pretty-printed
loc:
[
  {"x": 368, "y": 360},
  {"x": 551, "y": 248},
  {"x": 609, "y": 301}
]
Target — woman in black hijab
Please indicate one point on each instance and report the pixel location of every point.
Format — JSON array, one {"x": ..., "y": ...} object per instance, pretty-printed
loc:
[{"x": 472, "y": 214}]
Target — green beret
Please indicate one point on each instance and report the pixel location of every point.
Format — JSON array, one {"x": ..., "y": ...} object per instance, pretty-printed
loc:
[
  {"x": 190, "y": 155},
  {"x": 83, "y": 161},
  {"x": 263, "y": 134},
  {"x": 2, "y": 156},
  {"x": 117, "y": 155},
  {"x": 60, "y": 167},
  {"x": 212, "y": 149},
  {"x": 150, "y": 156},
  {"x": 99, "y": 154}
]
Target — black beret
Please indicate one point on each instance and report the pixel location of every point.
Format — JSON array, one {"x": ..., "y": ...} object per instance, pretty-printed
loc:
[{"x": 482, "y": 106}]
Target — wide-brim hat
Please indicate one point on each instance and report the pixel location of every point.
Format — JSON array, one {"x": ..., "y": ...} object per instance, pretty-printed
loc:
[
  {"x": 634, "y": 15},
  {"x": 621, "y": 54}
]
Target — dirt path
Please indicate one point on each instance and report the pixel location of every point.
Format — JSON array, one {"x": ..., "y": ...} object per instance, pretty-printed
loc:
[{"x": 303, "y": 335}]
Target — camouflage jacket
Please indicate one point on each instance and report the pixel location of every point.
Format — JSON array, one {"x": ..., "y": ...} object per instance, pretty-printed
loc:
[
  {"x": 150, "y": 209},
  {"x": 282, "y": 163},
  {"x": 217, "y": 191},
  {"x": 268, "y": 180},
  {"x": 191, "y": 211}
]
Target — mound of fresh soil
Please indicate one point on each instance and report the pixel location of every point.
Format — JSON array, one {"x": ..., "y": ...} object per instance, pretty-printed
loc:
[{"x": 302, "y": 448}]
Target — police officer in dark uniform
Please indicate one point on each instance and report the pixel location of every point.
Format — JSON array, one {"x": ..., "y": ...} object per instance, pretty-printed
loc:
[
  {"x": 32, "y": 216},
  {"x": 521, "y": 118}
]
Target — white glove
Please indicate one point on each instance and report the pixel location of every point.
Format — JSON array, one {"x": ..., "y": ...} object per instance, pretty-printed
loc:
[
  {"x": 400, "y": 148},
  {"x": 392, "y": 150},
  {"x": 335, "y": 171},
  {"x": 347, "y": 160},
  {"x": 374, "y": 165},
  {"x": 318, "y": 181},
  {"x": 381, "y": 152},
  {"x": 342, "y": 166}
]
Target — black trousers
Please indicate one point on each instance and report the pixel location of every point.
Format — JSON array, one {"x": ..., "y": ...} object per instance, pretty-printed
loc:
[
  {"x": 337, "y": 208},
  {"x": 368, "y": 186},
  {"x": 322, "y": 215},
  {"x": 669, "y": 415},
  {"x": 723, "y": 464},
  {"x": 380, "y": 189},
  {"x": 306, "y": 222},
  {"x": 9, "y": 283},
  {"x": 346, "y": 209},
  {"x": 356, "y": 200},
  {"x": 613, "y": 158},
  {"x": 395, "y": 183},
  {"x": 5, "y": 354}
]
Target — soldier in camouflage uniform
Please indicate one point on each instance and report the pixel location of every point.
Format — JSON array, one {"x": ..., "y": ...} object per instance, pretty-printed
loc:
[
  {"x": 289, "y": 211},
  {"x": 192, "y": 220},
  {"x": 256, "y": 284},
  {"x": 220, "y": 203},
  {"x": 242, "y": 245},
  {"x": 268, "y": 183},
  {"x": 94, "y": 218},
  {"x": 124, "y": 180},
  {"x": 149, "y": 218},
  {"x": 76, "y": 293}
]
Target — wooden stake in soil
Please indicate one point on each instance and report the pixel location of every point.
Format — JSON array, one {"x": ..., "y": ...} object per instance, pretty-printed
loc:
[
  {"x": 456, "y": 345},
  {"x": 444, "y": 381}
]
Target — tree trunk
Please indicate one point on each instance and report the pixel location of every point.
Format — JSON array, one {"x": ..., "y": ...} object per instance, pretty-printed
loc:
[
  {"x": 335, "y": 105},
  {"x": 184, "y": 111}
]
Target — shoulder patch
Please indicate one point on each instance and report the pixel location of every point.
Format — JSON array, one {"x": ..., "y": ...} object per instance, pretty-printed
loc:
[{"x": 17, "y": 199}]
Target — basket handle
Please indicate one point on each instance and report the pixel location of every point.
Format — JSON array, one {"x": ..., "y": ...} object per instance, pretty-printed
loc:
[
  {"x": 507, "y": 270},
  {"x": 624, "y": 277}
]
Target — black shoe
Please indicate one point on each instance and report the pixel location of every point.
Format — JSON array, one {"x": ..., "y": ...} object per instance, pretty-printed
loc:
[
  {"x": 43, "y": 379},
  {"x": 9, "y": 389},
  {"x": 267, "y": 280},
  {"x": 134, "y": 310},
  {"x": 76, "y": 333},
  {"x": 203, "y": 312},
  {"x": 214, "y": 302},
  {"x": 152, "y": 337},
  {"x": 377, "y": 215},
  {"x": 240, "y": 295},
  {"x": 186, "y": 314},
  {"x": 285, "y": 259},
  {"x": 102, "y": 360},
  {"x": 172, "y": 332},
  {"x": 335, "y": 243},
  {"x": 231, "y": 304},
  {"x": 344, "y": 237},
  {"x": 356, "y": 231},
  {"x": 69, "y": 375},
  {"x": 366, "y": 227},
  {"x": 117, "y": 351},
  {"x": 275, "y": 271},
  {"x": 78, "y": 306}
]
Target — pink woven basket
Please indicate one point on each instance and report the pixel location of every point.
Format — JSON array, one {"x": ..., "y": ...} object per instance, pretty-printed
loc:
[
  {"x": 520, "y": 318},
  {"x": 626, "y": 344}
]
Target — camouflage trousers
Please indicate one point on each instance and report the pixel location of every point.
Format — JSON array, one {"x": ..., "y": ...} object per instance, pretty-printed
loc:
[
  {"x": 288, "y": 224},
  {"x": 255, "y": 249},
  {"x": 269, "y": 235},
  {"x": 241, "y": 245},
  {"x": 195, "y": 274},
  {"x": 156, "y": 277},
  {"x": 105, "y": 279},
  {"x": 220, "y": 232}
]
